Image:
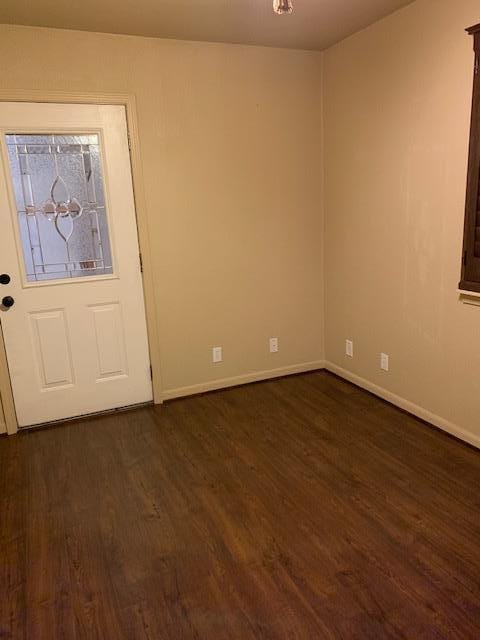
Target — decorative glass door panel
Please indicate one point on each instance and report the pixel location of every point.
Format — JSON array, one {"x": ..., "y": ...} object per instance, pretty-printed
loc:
[{"x": 60, "y": 203}]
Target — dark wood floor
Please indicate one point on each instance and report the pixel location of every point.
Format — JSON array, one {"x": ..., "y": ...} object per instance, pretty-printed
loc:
[{"x": 302, "y": 508}]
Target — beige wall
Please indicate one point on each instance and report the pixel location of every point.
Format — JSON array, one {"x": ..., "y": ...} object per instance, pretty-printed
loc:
[
  {"x": 396, "y": 123},
  {"x": 232, "y": 159}
]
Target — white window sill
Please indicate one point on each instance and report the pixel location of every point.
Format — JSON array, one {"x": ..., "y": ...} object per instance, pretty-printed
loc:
[{"x": 469, "y": 297}]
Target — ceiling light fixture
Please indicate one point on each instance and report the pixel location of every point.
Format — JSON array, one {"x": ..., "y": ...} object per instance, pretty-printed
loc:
[{"x": 282, "y": 6}]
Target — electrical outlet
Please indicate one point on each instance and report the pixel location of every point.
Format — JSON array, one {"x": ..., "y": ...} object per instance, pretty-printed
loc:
[
  {"x": 384, "y": 361},
  {"x": 217, "y": 354},
  {"x": 273, "y": 345},
  {"x": 349, "y": 348}
]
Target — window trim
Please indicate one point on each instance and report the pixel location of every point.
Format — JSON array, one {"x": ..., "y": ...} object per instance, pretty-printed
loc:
[{"x": 470, "y": 280}]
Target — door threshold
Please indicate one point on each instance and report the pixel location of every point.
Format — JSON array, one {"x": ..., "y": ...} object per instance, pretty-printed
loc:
[{"x": 87, "y": 416}]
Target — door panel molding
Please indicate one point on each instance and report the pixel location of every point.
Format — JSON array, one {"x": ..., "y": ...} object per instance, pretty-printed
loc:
[
  {"x": 50, "y": 335},
  {"x": 110, "y": 340},
  {"x": 129, "y": 102}
]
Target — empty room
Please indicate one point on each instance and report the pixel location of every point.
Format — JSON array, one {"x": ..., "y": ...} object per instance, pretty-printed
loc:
[{"x": 240, "y": 320}]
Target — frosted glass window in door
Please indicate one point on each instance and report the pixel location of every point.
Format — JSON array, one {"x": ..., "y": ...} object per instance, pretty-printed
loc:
[{"x": 60, "y": 201}]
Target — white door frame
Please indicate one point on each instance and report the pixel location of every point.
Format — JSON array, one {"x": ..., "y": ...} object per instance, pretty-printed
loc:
[{"x": 128, "y": 101}]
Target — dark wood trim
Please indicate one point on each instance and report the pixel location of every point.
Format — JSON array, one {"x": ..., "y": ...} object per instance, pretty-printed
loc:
[
  {"x": 471, "y": 255},
  {"x": 473, "y": 30},
  {"x": 467, "y": 286}
]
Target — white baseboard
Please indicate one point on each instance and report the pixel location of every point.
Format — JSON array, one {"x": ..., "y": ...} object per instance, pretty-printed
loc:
[
  {"x": 234, "y": 381},
  {"x": 412, "y": 408}
]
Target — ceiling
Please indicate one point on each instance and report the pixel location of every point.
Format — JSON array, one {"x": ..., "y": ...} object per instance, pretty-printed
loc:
[{"x": 315, "y": 24}]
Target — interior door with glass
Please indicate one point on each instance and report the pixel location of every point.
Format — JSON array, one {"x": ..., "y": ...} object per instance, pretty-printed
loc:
[{"x": 72, "y": 306}]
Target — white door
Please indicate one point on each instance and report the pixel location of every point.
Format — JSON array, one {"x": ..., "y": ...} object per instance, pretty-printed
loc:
[{"x": 75, "y": 333}]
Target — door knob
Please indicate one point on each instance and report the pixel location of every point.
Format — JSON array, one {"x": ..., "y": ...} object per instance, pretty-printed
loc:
[
  {"x": 8, "y": 301},
  {"x": 4, "y": 278}
]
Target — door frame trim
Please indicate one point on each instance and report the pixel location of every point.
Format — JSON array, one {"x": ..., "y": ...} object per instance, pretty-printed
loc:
[{"x": 129, "y": 102}]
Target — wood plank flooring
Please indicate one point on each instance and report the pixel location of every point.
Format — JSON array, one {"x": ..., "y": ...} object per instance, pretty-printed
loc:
[{"x": 299, "y": 509}]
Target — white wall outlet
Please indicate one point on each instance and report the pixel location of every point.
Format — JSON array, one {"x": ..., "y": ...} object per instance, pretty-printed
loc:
[
  {"x": 384, "y": 361},
  {"x": 349, "y": 348},
  {"x": 273, "y": 345},
  {"x": 217, "y": 354}
]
